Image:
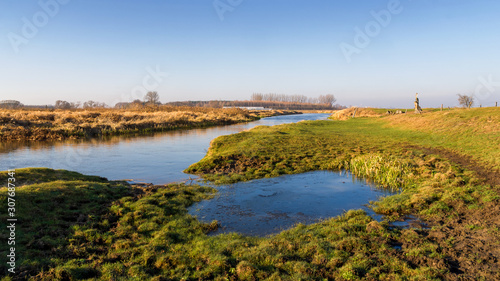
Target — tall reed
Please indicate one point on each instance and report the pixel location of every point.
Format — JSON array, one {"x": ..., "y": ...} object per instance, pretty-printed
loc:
[{"x": 388, "y": 171}]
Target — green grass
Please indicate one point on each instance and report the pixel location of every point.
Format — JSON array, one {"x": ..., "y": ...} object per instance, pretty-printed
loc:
[
  {"x": 54, "y": 202},
  {"x": 313, "y": 145},
  {"x": 91, "y": 230},
  {"x": 407, "y": 151},
  {"x": 78, "y": 227}
]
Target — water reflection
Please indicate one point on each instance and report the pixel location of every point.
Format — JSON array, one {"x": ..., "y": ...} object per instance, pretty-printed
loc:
[
  {"x": 267, "y": 206},
  {"x": 157, "y": 158}
]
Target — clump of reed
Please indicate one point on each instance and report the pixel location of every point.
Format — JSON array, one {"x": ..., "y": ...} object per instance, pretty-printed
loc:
[
  {"x": 390, "y": 172},
  {"x": 23, "y": 124}
]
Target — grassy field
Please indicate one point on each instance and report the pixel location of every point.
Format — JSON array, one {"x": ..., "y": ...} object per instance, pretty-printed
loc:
[
  {"x": 446, "y": 163},
  {"x": 20, "y": 125},
  {"x": 88, "y": 228}
]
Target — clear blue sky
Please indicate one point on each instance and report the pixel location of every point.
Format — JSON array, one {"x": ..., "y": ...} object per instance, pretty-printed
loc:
[{"x": 102, "y": 50}]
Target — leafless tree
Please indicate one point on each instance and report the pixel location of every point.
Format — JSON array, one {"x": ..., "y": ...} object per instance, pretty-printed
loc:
[
  {"x": 93, "y": 104},
  {"x": 273, "y": 97},
  {"x": 12, "y": 104},
  {"x": 327, "y": 99},
  {"x": 75, "y": 104},
  {"x": 152, "y": 98},
  {"x": 465, "y": 101},
  {"x": 62, "y": 104},
  {"x": 257, "y": 97}
]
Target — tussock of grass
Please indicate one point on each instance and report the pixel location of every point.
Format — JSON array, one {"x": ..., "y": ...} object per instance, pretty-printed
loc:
[
  {"x": 48, "y": 208},
  {"x": 150, "y": 236},
  {"x": 390, "y": 172}
]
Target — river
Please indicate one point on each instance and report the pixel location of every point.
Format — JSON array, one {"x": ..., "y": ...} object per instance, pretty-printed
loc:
[
  {"x": 257, "y": 207},
  {"x": 158, "y": 158}
]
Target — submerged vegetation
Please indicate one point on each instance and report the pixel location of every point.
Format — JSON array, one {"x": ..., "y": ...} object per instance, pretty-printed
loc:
[
  {"x": 93, "y": 229},
  {"x": 20, "y": 124}
]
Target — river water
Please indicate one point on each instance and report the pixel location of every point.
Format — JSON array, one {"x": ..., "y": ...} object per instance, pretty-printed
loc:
[
  {"x": 158, "y": 158},
  {"x": 257, "y": 207}
]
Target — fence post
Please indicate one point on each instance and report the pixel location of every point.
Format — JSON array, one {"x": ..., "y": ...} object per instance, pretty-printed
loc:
[{"x": 441, "y": 107}]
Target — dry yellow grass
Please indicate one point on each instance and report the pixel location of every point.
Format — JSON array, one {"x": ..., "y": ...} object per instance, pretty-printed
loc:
[
  {"x": 73, "y": 124},
  {"x": 460, "y": 121},
  {"x": 360, "y": 112}
]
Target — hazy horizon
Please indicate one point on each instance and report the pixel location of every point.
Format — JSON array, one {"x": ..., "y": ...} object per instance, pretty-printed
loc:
[{"x": 367, "y": 53}]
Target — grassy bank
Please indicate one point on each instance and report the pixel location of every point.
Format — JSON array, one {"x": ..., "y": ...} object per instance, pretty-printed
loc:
[
  {"x": 445, "y": 162},
  {"x": 76, "y": 227},
  {"x": 21, "y": 125}
]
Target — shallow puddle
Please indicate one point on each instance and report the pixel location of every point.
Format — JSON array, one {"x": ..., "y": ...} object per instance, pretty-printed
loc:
[{"x": 270, "y": 205}]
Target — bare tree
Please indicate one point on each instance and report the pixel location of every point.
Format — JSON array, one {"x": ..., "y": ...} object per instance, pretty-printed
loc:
[
  {"x": 465, "y": 101},
  {"x": 257, "y": 97},
  {"x": 62, "y": 104},
  {"x": 75, "y": 104},
  {"x": 327, "y": 99},
  {"x": 152, "y": 98},
  {"x": 10, "y": 104},
  {"x": 93, "y": 104}
]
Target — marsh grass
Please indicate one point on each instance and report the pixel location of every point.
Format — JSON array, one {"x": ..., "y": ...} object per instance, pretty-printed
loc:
[
  {"x": 49, "y": 203},
  {"x": 130, "y": 234},
  {"x": 74, "y": 124},
  {"x": 389, "y": 172}
]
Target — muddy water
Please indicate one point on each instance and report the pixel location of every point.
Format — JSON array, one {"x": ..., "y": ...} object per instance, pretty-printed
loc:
[
  {"x": 267, "y": 206},
  {"x": 158, "y": 158}
]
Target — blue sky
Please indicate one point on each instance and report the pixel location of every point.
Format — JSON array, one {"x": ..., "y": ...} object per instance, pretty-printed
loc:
[{"x": 114, "y": 51}]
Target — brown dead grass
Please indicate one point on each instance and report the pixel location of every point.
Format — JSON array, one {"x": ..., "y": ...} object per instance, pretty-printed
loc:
[
  {"x": 18, "y": 125},
  {"x": 475, "y": 120},
  {"x": 360, "y": 112}
]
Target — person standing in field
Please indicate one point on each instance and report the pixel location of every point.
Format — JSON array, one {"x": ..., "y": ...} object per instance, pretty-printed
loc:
[{"x": 418, "y": 109}]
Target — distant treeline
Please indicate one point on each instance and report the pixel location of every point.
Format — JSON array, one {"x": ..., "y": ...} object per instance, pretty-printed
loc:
[
  {"x": 271, "y": 101},
  {"x": 253, "y": 103},
  {"x": 322, "y": 99},
  {"x": 286, "y": 105},
  {"x": 274, "y": 101}
]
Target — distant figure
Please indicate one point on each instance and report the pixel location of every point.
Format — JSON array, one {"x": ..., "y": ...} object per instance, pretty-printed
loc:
[{"x": 418, "y": 109}]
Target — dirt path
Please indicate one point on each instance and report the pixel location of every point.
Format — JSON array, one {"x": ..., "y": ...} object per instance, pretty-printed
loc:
[
  {"x": 471, "y": 240},
  {"x": 490, "y": 176}
]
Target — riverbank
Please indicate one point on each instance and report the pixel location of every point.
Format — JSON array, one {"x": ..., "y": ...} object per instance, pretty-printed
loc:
[
  {"x": 89, "y": 227},
  {"x": 446, "y": 164},
  {"x": 39, "y": 125}
]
